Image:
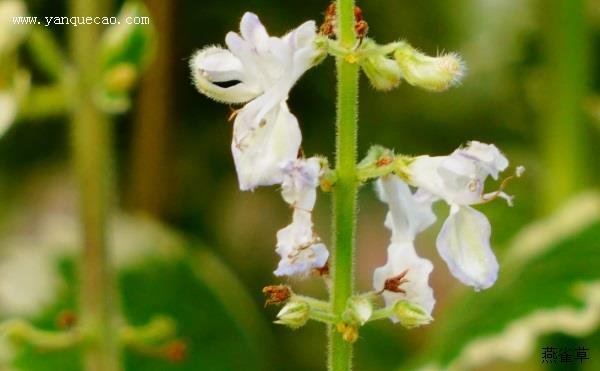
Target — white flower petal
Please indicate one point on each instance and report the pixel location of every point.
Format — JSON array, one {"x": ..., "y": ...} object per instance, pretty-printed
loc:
[
  {"x": 408, "y": 215},
  {"x": 402, "y": 256},
  {"x": 299, "y": 247},
  {"x": 302, "y": 42},
  {"x": 487, "y": 155},
  {"x": 458, "y": 178},
  {"x": 300, "y": 182},
  {"x": 253, "y": 31},
  {"x": 266, "y": 136},
  {"x": 300, "y": 250},
  {"x": 260, "y": 150},
  {"x": 259, "y": 56},
  {"x": 218, "y": 74},
  {"x": 464, "y": 244}
]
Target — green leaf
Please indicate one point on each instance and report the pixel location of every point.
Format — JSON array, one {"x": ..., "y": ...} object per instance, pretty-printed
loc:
[
  {"x": 549, "y": 283},
  {"x": 160, "y": 273}
]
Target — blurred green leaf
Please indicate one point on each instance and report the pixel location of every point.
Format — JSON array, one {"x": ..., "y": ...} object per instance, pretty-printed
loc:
[
  {"x": 160, "y": 275},
  {"x": 550, "y": 282}
]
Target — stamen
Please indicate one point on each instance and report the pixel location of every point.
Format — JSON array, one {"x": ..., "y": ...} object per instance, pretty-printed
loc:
[
  {"x": 473, "y": 185},
  {"x": 233, "y": 114},
  {"x": 488, "y": 197},
  {"x": 393, "y": 284}
]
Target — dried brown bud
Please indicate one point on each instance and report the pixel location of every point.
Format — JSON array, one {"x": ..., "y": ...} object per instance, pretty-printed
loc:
[
  {"x": 278, "y": 294},
  {"x": 361, "y": 27},
  {"x": 176, "y": 351},
  {"x": 393, "y": 284},
  {"x": 66, "y": 319}
]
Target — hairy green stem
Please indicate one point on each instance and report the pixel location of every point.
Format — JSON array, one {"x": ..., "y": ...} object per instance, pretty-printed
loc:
[
  {"x": 324, "y": 317},
  {"x": 345, "y": 190},
  {"x": 91, "y": 141}
]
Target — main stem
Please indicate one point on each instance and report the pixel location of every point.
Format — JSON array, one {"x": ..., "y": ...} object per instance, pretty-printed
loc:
[
  {"x": 91, "y": 141},
  {"x": 345, "y": 190}
]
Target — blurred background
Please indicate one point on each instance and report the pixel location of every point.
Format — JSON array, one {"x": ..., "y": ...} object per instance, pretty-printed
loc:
[{"x": 532, "y": 88}]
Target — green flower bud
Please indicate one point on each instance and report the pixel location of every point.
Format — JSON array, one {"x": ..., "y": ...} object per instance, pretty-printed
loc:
[
  {"x": 411, "y": 315},
  {"x": 431, "y": 73},
  {"x": 358, "y": 310},
  {"x": 294, "y": 314},
  {"x": 383, "y": 72}
]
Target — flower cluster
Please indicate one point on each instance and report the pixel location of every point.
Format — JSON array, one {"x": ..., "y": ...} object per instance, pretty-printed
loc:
[
  {"x": 259, "y": 70},
  {"x": 464, "y": 239}
]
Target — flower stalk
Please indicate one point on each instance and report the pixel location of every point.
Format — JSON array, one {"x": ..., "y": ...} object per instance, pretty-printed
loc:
[
  {"x": 345, "y": 190},
  {"x": 91, "y": 142}
]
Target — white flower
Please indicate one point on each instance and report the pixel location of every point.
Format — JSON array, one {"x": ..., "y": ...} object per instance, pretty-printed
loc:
[
  {"x": 300, "y": 249},
  {"x": 407, "y": 217},
  {"x": 458, "y": 179},
  {"x": 259, "y": 69}
]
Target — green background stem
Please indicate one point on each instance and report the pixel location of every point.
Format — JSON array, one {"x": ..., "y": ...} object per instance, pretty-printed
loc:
[
  {"x": 91, "y": 140},
  {"x": 562, "y": 131},
  {"x": 345, "y": 190}
]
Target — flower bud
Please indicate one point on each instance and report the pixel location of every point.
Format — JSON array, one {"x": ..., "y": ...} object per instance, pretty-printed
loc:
[
  {"x": 294, "y": 314},
  {"x": 350, "y": 334},
  {"x": 277, "y": 294},
  {"x": 431, "y": 73},
  {"x": 384, "y": 73},
  {"x": 358, "y": 310},
  {"x": 411, "y": 315}
]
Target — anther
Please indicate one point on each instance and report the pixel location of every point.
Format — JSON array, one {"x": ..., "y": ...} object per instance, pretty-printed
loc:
[{"x": 393, "y": 284}]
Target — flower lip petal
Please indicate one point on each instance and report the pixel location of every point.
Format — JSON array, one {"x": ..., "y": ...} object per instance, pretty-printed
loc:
[
  {"x": 403, "y": 256},
  {"x": 260, "y": 150},
  {"x": 409, "y": 215},
  {"x": 464, "y": 244},
  {"x": 214, "y": 66}
]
